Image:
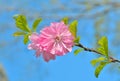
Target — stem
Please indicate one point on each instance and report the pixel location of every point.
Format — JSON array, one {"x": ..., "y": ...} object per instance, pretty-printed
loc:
[{"x": 113, "y": 60}]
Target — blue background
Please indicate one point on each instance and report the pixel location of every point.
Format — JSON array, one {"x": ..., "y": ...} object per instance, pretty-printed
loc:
[{"x": 20, "y": 64}]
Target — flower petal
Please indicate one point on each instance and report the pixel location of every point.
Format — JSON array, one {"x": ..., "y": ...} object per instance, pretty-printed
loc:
[{"x": 48, "y": 56}]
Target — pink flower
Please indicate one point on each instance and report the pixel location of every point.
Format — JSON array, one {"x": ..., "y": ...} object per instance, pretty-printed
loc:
[{"x": 55, "y": 39}]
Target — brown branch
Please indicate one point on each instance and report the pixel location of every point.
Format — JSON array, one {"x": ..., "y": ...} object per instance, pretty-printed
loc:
[{"x": 113, "y": 60}]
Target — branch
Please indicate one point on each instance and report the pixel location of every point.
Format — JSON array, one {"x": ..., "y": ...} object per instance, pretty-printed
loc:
[{"x": 113, "y": 60}]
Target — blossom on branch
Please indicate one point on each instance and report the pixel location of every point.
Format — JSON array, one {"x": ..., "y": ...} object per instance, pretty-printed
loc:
[{"x": 54, "y": 40}]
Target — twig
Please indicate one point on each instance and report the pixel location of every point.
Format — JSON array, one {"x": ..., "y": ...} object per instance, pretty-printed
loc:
[{"x": 92, "y": 50}]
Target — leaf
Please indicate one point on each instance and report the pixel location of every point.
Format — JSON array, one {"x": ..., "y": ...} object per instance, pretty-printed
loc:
[
  {"x": 18, "y": 33},
  {"x": 77, "y": 39},
  {"x": 99, "y": 68},
  {"x": 26, "y": 38},
  {"x": 21, "y": 22},
  {"x": 103, "y": 42},
  {"x": 65, "y": 20},
  {"x": 78, "y": 51},
  {"x": 98, "y": 60},
  {"x": 73, "y": 28},
  {"x": 36, "y": 23}
]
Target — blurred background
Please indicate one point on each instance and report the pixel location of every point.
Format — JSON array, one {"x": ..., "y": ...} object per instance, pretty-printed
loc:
[{"x": 96, "y": 18}]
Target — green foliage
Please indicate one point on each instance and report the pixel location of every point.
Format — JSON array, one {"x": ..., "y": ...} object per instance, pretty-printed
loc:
[
  {"x": 26, "y": 39},
  {"x": 65, "y": 20},
  {"x": 78, "y": 51},
  {"x": 103, "y": 49},
  {"x": 19, "y": 33},
  {"x": 99, "y": 68},
  {"x": 36, "y": 23},
  {"x": 101, "y": 61},
  {"x": 77, "y": 39},
  {"x": 73, "y": 28},
  {"x": 21, "y": 23},
  {"x": 98, "y": 60}
]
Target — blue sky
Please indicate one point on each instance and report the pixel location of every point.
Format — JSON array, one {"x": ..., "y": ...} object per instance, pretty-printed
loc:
[{"x": 20, "y": 64}]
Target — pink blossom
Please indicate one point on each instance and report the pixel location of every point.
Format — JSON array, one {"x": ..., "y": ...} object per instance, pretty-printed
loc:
[
  {"x": 53, "y": 40},
  {"x": 35, "y": 45},
  {"x": 57, "y": 39}
]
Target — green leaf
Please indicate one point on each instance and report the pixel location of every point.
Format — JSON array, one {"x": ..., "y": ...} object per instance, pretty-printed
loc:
[
  {"x": 78, "y": 51},
  {"x": 21, "y": 22},
  {"x": 77, "y": 39},
  {"x": 98, "y": 60},
  {"x": 73, "y": 28},
  {"x": 103, "y": 42},
  {"x": 36, "y": 23},
  {"x": 26, "y": 38},
  {"x": 65, "y": 20},
  {"x": 99, "y": 68},
  {"x": 18, "y": 33}
]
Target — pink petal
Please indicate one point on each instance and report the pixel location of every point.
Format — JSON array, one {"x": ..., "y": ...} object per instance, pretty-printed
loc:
[
  {"x": 38, "y": 53},
  {"x": 34, "y": 37},
  {"x": 48, "y": 56}
]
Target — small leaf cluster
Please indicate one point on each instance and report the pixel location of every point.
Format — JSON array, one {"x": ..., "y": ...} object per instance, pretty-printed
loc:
[
  {"x": 102, "y": 61},
  {"x": 24, "y": 29}
]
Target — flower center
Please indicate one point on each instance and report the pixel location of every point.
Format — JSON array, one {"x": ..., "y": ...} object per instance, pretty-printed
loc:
[{"x": 57, "y": 38}]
